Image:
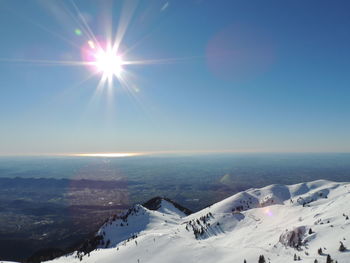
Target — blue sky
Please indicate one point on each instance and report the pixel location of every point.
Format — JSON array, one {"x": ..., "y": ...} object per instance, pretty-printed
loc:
[{"x": 243, "y": 76}]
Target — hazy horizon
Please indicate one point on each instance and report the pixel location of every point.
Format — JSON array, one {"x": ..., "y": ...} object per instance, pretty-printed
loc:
[{"x": 162, "y": 153}]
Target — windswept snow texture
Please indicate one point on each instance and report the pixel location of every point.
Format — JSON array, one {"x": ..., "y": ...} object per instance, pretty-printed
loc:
[{"x": 276, "y": 221}]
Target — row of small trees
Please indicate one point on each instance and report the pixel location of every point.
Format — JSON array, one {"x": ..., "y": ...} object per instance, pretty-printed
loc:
[{"x": 329, "y": 259}]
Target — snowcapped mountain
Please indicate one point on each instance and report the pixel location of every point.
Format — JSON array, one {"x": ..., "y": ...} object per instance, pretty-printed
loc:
[{"x": 277, "y": 223}]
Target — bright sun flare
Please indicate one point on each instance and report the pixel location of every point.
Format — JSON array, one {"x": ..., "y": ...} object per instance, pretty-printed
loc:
[
  {"x": 108, "y": 62},
  {"x": 102, "y": 57}
]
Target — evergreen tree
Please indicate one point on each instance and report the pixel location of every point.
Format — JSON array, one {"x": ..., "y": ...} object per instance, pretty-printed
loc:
[
  {"x": 310, "y": 231},
  {"x": 320, "y": 251},
  {"x": 342, "y": 248},
  {"x": 261, "y": 259},
  {"x": 329, "y": 259},
  {"x": 299, "y": 242},
  {"x": 295, "y": 257},
  {"x": 108, "y": 242}
]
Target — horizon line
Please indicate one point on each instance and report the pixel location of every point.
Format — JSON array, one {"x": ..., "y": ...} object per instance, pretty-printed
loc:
[{"x": 126, "y": 154}]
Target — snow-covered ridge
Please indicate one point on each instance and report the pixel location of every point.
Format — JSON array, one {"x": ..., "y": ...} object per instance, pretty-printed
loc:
[
  {"x": 279, "y": 222},
  {"x": 302, "y": 193}
]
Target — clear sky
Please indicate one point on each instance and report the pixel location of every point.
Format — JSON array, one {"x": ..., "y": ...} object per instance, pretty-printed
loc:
[{"x": 245, "y": 76}]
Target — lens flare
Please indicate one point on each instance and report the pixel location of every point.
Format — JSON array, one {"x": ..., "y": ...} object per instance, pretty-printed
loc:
[
  {"x": 91, "y": 44},
  {"x": 268, "y": 211},
  {"x": 78, "y": 32}
]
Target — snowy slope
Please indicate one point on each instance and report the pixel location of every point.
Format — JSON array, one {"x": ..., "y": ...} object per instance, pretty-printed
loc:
[{"x": 273, "y": 221}]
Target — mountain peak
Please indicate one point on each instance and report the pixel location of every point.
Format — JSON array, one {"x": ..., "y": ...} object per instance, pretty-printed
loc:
[{"x": 157, "y": 203}]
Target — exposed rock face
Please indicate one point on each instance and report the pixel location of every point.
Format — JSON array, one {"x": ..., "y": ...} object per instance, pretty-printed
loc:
[
  {"x": 293, "y": 238},
  {"x": 154, "y": 204}
]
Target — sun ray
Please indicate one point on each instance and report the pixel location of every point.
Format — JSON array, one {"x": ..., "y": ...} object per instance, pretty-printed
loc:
[
  {"x": 99, "y": 89},
  {"x": 44, "y": 28},
  {"x": 84, "y": 23},
  {"x": 160, "y": 61},
  {"x": 64, "y": 93},
  {"x": 49, "y": 62},
  {"x": 124, "y": 21}
]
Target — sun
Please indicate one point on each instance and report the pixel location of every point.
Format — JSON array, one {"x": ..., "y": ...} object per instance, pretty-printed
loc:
[
  {"x": 107, "y": 58},
  {"x": 108, "y": 62}
]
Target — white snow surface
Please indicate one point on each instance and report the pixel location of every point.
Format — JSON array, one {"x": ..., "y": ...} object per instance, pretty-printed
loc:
[{"x": 273, "y": 221}]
